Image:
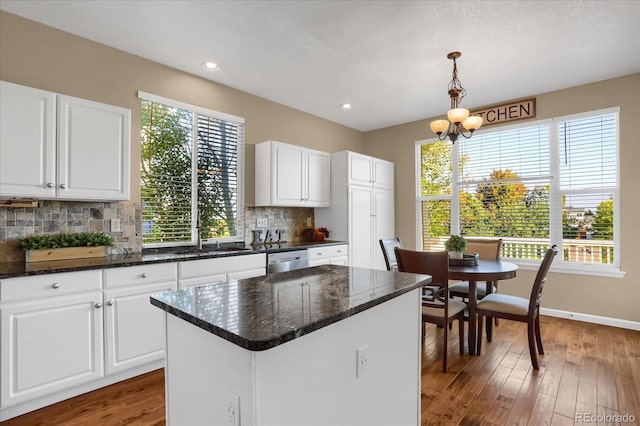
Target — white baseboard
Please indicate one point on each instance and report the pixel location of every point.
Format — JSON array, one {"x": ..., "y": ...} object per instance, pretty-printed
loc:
[{"x": 595, "y": 319}]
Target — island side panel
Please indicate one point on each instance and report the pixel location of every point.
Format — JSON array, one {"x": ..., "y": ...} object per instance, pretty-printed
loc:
[
  {"x": 203, "y": 373},
  {"x": 313, "y": 380}
]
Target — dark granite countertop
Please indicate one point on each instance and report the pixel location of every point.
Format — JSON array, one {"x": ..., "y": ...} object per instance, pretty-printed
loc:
[
  {"x": 263, "y": 312},
  {"x": 22, "y": 269}
]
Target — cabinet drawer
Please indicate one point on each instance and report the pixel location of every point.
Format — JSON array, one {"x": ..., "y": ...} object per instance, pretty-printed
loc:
[
  {"x": 317, "y": 253},
  {"x": 49, "y": 285},
  {"x": 221, "y": 265},
  {"x": 139, "y": 275}
]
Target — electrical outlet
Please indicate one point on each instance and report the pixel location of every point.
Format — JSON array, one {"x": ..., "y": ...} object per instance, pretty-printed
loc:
[
  {"x": 115, "y": 225},
  {"x": 309, "y": 221},
  {"x": 232, "y": 405},
  {"x": 362, "y": 359},
  {"x": 262, "y": 222}
]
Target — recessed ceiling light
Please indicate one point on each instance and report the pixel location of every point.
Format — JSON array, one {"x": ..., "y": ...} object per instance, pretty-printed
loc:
[
  {"x": 210, "y": 66},
  {"x": 346, "y": 106}
]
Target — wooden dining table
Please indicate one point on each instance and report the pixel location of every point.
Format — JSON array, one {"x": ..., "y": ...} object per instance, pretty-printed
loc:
[{"x": 485, "y": 270}]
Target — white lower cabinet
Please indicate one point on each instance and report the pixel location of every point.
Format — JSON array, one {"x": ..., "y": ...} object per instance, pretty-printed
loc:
[
  {"x": 134, "y": 327},
  {"x": 329, "y": 255},
  {"x": 50, "y": 344}
]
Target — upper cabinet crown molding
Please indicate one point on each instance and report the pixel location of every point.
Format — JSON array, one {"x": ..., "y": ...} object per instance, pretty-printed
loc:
[
  {"x": 291, "y": 176},
  {"x": 59, "y": 147}
]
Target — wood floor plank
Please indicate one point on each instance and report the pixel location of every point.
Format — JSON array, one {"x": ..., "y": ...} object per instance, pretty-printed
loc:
[
  {"x": 607, "y": 393},
  {"x": 542, "y": 411},
  {"x": 568, "y": 387},
  {"x": 498, "y": 387},
  {"x": 525, "y": 401},
  {"x": 628, "y": 399}
]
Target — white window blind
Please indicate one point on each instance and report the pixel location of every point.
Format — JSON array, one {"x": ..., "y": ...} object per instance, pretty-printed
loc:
[
  {"x": 192, "y": 169},
  {"x": 555, "y": 182},
  {"x": 505, "y": 183}
]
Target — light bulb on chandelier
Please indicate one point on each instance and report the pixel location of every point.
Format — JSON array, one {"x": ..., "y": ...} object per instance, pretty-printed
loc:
[{"x": 459, "y": 119}]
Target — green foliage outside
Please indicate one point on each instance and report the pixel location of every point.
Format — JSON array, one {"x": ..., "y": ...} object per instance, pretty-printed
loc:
[{"x": 80, "y": 239}]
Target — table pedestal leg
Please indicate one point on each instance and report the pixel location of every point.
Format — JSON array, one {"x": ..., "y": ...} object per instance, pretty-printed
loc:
[{"x": 473, "y": 328}]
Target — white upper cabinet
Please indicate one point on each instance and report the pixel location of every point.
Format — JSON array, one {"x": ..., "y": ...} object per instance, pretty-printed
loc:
[
  {"x": 59, "y": 147},
  {"x": 27, "y": 142},
  {"x": 292, "y": 176},
  {"x": 93, "y": 150},
  {"x": 366, "y": 170}
]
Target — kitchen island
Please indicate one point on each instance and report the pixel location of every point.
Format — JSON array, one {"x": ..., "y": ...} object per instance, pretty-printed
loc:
[{"x": 329, "y": 345}]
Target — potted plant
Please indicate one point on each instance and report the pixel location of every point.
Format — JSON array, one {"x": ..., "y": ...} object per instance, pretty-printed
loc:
[
  {"x": 456, "y": 245},
  {"x": 65, "y": 246}
]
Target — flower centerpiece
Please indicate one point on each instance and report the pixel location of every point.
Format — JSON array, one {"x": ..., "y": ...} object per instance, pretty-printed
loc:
[
  {"x": 65, "y": 246},
  {"x": 456, "y": 245}
]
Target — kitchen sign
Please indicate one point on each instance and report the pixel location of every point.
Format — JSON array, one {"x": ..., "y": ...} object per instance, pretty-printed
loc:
[{"x": 503, "y": 113}]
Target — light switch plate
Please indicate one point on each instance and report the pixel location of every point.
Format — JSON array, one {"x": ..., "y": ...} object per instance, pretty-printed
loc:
[{"x": 115, "y": 225}]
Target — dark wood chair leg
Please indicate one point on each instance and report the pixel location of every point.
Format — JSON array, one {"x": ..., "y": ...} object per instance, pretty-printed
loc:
[
  {"x": 538, "y": 335},
  {"x": 479, "y": 339},
  {"x": 444, "y": 349},
  {"x": 461, "y": 334},
  {"x": 489, "y": 329},
  {"x": 532, "y": 344}
]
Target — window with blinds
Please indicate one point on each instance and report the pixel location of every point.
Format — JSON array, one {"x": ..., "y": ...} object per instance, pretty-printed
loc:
[
  {"x": 505, "y": 183},
  {"x": 190, "y": 173},
  {"x": 532, "y": 186}
]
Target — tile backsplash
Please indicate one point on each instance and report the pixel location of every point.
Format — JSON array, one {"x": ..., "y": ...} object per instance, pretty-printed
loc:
[{"x": 54, "y": 217}]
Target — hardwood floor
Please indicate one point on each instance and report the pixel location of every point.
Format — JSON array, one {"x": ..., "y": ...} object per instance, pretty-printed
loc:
[{"x": 586, "y": 368}]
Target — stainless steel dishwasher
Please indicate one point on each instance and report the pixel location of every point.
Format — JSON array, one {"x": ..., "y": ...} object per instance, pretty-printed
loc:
[{"x": 287, "y": 261}]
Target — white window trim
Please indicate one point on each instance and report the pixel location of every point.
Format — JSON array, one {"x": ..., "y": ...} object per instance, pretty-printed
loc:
[
  {"x": 194, "y": 154},
  {"x": 555, "y": 201}
]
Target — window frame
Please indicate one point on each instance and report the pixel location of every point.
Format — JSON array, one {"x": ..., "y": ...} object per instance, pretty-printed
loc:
[
  {"x": 555, "y": 196},
  {"x": 195, "y": 111}
]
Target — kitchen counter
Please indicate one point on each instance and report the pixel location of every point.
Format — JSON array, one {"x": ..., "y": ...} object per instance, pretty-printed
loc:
[
  {"x": 325, "y": 345},
  {"x": 21, "y": 269},
  {"x": 262, "y": 312}
]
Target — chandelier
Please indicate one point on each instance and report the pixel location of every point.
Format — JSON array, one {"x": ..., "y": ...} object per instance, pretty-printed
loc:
[{"x": 459, "y": 119}]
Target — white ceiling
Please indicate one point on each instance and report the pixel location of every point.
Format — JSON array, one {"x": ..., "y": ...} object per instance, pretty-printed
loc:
[{"x": 387, "y": 58}]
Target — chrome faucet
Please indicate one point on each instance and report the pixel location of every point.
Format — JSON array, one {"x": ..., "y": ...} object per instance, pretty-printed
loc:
[{"x": 198, "y": 236}]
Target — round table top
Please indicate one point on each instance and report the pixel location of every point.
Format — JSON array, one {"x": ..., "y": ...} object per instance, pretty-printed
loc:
[{"x": 485, "y": 270}]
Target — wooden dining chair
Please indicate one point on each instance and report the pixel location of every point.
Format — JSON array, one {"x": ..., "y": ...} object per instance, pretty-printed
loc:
[
  {"x": 437, "y": 307},
  {"x": 387, "y": 246},
  {"x": 519, "y": 309},
  {"x": 487, "y": 249}
]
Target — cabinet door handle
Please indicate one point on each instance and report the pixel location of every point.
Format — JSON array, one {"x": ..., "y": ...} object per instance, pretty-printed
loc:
[
  {"x": 318, "y": 254},
  {"x": 63, "y": 186},
  {"x": 144, "y": 275},
  {"x": 55, "y": 286},
  {"x": 110, "y": 303},
  {"x": 50, "y": 185},
  {"x": 98, "y": 305}
]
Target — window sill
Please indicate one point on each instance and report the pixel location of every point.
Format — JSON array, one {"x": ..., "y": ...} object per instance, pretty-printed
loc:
[{"x": 575, "y": 269}]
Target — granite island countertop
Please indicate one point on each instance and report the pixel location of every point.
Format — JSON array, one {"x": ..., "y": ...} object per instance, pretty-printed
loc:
[
  {"x": 22, "y": 269},
  {"x": 263, "y": 312}
]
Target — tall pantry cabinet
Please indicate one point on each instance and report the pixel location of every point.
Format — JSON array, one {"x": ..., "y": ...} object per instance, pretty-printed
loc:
[{"x": 362, "y": 206}]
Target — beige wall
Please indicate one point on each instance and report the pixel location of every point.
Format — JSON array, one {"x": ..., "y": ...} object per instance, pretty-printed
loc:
[
  {"x": 609, "y": 297},
  {"x": 39, "y": 56}
]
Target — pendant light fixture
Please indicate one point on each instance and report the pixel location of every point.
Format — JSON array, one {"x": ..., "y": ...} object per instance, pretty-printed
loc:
[{"x": 459, "y": 119}]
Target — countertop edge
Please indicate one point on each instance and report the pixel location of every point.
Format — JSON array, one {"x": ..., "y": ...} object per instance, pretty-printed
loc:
[{"x": 20, "y": 269}]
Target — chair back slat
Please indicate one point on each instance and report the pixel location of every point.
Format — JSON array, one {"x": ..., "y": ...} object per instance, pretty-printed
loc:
[
  {"x": 486, "y": 248},
  {"x": 387, "y": 246},
  {"x": 541, "y": 278}
]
